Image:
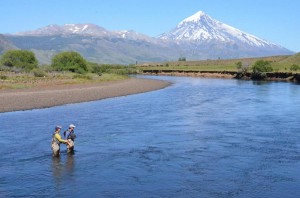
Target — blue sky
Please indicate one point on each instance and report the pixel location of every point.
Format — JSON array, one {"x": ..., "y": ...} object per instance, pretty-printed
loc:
[{"x": 277, "y": 21}]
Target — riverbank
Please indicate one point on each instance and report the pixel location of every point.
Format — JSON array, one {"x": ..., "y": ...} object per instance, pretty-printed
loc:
[
  {"x": 270, "y": 76},
  {"x": 55, "y": 95}
]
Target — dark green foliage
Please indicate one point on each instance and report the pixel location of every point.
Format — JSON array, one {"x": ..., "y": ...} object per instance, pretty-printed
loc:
[
  {"x": 295, "y": 67},
  {"x": 19, "y": 58},
  {"x": 95, "y": 68},
  {"x": 262, "y": 66},
  {"x": 182, "y": 59},
  {"x": 258, "y": 75},
  {"x": 112, "y": 69},
  {"x": 3, "y": 77},
  {"x": 69, "y": 61},
  {"x": 239, "y": 65}
]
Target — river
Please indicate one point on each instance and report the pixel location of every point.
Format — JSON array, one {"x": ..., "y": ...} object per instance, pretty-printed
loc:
[{"x": 197, "y": 138}]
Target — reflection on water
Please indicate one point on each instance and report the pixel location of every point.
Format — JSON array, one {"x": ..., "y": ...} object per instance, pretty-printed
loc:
[
  {"x": 57, "y": 168},
  {"x": 62, "y": 167},
  {"x": 197, "y": 138},
  {"x": 70, "y": 164}
]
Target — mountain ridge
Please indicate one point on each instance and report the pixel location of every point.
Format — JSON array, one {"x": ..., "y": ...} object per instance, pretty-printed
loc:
[
  {"x": 201, "y": 27},
  {"x": 197, "y": 37}
]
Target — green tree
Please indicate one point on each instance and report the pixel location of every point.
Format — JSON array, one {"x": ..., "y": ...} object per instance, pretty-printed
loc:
[
  {"x": 260, "y": 68},
  {"x": 239, "y": 65},
  {"x": 182, "y": 59},
  {"x": 19, "y": 58},
  {"x": 294, "y": 67},
  {"x": 69, "y": 61},
  {"x": 242, "y": 69}
]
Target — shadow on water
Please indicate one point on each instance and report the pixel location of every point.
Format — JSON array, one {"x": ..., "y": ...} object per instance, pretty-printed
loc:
[{"x": 261, "y": 82}]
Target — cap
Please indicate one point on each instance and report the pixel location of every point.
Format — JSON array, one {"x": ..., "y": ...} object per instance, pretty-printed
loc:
[
  {"x": 72, "y": 126},
  {"x": 58, "y": 127}
]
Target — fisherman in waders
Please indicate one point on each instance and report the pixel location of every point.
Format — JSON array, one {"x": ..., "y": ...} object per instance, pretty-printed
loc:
[
  {"x": 56, "y": 141},
  {"x": 70, "y": 135}
]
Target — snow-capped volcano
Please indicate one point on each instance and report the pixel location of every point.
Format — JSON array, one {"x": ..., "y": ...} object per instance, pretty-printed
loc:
[
  {"x": 197, "y": 37},
  {"x": 202, "y": 28}
]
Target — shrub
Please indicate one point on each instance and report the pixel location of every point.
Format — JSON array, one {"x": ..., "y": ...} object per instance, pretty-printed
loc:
[
  {"x": 262, "y": 66},
  {"x": 95, "y": 68},
  {"x": 112, "y": 69},
  {"x": 69, "y": 61},
  {"x": 19, "y": 58},
  {"x": 239, "y": 65},
  {"x": 82, "y": 76},
  {"x": 3, "y": 77},
  {"x": 39, "y": 72},
  {"x": 294, "y": 67},
  {"x": 182, "y": 59}
]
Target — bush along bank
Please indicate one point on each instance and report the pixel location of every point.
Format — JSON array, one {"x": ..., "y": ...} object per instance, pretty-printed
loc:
[{"x": 271, "y": 76}]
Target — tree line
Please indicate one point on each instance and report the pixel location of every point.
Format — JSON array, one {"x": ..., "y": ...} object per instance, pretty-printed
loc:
[
  {"x": 26, "y": 60},
  {"x": 70, "y": 61}
]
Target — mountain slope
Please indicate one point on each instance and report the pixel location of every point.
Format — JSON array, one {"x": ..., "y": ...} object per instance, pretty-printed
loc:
[
  {"x": 67, "y": 29},
  {"x": 294, "y": 59},
  {"x": 105, "y": 49},
  {"x": 197, "y": 37},
  {"x": 5, "y": 44},
  {"x": 201, "y": 27},
  {"x": 200, "y": 31}
]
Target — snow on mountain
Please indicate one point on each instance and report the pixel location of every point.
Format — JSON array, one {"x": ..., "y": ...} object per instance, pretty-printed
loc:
[
  {"x": 132, "y": 35},
  {"x": 82, "y": 29},
  {"x": 197, "y": 37},
  {"x": 202, "y": 28},
  {"x": 85, "y": 30}
]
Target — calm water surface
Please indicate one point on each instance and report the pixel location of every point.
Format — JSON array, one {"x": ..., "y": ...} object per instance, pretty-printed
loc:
[{"x": 196, "y": 138}]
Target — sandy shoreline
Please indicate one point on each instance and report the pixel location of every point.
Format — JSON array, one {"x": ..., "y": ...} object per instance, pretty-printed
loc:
[{"x": 34, "y": 98}]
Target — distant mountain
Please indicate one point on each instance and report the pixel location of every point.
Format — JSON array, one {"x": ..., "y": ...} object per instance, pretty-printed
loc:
[
  {"x": 203, "y": 35},
  {"x": 121, "y": 49},
  {"x": 5, "y": 44},
  {"x": 84, "y": 30},
  {"x": 202, "y": 28},
  {"x": 197, "y": 37},
  {"x": 67, "y": 29}
]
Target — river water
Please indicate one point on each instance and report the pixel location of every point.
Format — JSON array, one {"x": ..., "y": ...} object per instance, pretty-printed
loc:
[{"x": 196, "y": 138}]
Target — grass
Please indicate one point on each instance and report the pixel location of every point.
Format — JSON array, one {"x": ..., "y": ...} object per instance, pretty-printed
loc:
[
  {"x": 112, "y": 77},
  {"x": 12, "y": 80},
  {"x": 279, "y": 64}
]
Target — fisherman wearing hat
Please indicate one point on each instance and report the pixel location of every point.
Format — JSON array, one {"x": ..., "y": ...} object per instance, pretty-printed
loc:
[
  {"x": 70, "y": 135},
  {"x": 56, "y": 141}
]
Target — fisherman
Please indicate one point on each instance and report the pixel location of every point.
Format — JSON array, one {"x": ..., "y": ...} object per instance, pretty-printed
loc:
[
  {"x": 56, "y": 141},
  {"x": 70, "y": 135}
]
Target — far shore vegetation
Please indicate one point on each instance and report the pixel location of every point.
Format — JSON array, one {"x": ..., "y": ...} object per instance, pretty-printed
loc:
[
  {"x": 245, "y": 68},
  {"x": 20, "y": 69},
  {"x": 286, "y": 63}
]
